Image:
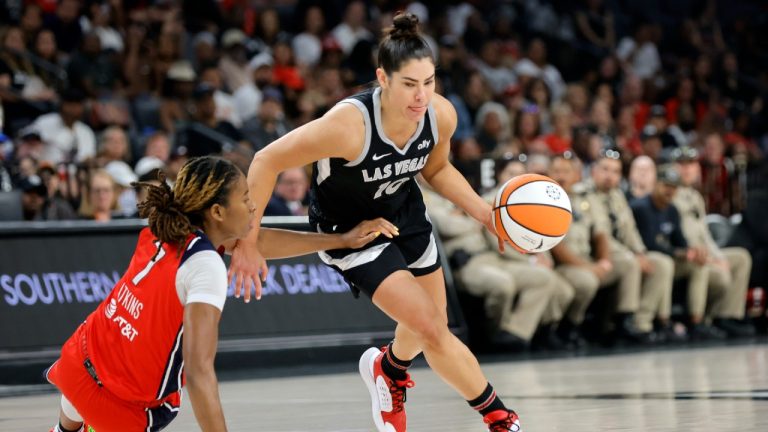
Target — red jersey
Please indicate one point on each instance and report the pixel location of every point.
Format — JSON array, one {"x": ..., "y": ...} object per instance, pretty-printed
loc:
[{"x": 134, "y": 337}]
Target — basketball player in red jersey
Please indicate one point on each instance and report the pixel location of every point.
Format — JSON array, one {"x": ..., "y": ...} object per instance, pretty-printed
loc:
[
  {"x": 124, "y": 367},
  {"x": 366, "y": 152}
]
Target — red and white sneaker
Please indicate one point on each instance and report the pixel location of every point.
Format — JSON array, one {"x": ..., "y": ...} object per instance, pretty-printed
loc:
[
  {"x": 387, "y": 395},
  {"x": 502, "y": 421}
]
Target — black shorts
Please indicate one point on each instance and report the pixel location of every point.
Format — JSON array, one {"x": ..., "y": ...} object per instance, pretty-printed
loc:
[{"x": 414, "y": 250}]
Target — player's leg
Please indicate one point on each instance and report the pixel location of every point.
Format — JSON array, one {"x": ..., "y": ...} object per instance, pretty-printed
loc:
[
  {"x": 69, "y": 419},
  {"x": 401, "y": 297}
]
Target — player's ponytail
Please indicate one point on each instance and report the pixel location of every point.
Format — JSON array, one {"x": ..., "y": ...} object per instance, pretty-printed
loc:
[
  {"x": 166, "y": 220},
  {"x": 402, "y": 42},
  {"x": 201, "y": 183}
]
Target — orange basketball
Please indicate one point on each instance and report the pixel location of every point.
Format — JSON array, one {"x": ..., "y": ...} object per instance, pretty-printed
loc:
[{"x": 532, "y": 213}]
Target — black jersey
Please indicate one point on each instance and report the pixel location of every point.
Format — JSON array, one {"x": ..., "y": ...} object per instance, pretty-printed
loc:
[{"x": 379, "y": 182}]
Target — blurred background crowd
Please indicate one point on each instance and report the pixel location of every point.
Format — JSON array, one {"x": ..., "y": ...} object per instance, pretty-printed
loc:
[{"x": 98, "y": 94}]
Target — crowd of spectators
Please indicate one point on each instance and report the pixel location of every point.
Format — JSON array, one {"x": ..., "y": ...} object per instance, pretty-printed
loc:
[{"x": 97, "y": 94}]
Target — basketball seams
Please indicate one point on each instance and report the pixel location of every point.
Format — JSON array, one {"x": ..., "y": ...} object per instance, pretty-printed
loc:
[
  {"x": 516, "y": 183},
  {"x": 534, "y": 204}
]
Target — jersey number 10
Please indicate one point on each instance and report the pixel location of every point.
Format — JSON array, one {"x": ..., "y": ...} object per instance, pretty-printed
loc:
[{"x": 390, "y": 187}]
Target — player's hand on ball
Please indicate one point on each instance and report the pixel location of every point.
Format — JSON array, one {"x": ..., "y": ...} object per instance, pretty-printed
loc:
[
  {"x": 491, "y": 227},
  {"x": 247, "y": 269},
  {"x": 367, "y": 231}
]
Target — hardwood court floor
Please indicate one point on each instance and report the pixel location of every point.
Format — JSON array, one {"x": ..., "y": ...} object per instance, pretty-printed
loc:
[{"x": 690, "y": 389}]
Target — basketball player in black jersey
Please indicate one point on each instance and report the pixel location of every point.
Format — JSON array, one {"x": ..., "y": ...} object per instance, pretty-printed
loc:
[{"x": 366, "y": 151}]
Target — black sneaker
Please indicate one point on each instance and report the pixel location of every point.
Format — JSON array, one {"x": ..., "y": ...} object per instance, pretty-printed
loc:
[
  {"x": 734, "y": 328},
  {"x": 671, "y": 333},
  {"x": 627, "y": 331},
  {"x": 546, "y": 339},
  {"x": 702, "y": 332},
  {"x": 509, "y": 342}
]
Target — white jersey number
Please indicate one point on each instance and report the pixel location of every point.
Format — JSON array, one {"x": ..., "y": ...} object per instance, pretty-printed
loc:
[
  {"x": 390, "y": 187},
  {"x": 142, "y": 274}
]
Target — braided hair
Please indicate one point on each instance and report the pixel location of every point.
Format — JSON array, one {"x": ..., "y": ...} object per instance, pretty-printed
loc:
[{"x": 175, "y": 213}]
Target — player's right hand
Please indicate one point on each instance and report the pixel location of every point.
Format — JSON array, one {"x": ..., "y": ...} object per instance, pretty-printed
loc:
[
  {"x": 367, "y": 231},
  {"x": 247, "y": 269}
]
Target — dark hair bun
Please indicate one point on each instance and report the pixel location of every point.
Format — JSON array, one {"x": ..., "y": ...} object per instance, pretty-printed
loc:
[{"x": 404, "y": 25}]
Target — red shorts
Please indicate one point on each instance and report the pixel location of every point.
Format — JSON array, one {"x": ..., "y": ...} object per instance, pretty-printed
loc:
[{"x": 100, "y": 408}]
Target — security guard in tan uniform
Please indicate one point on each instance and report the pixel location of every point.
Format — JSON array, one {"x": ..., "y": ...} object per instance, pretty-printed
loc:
[
  {"x": 728, "y": 268},
  {"x": 484, "y": 273},
  {"x": 588, "y": 268},
  {"x": 606, "y": 198}
]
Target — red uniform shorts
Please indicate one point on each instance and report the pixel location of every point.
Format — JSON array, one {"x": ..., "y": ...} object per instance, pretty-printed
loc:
[{"x": 100, "y": 408}]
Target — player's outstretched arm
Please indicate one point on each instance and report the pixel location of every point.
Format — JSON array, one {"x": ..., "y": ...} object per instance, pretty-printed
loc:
[
  {"x": 338, "y": 134},
  {"x": 447, "y": 180},
  {"x": 201, "y": 330},
  {"x": 279, "y": 243}
]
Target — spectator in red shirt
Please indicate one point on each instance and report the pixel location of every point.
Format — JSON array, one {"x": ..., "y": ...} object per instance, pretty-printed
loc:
[{"x": 561, "y": 138}]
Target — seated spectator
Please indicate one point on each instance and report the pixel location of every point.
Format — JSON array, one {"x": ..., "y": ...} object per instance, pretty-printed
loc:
[
  {"x": 657, "y": 117},
  {"x": 177, "y": 87},
  {"x": 600, "y": 119},
  {"x": 205, "y": 135},
  {"x": 535, "y": 65},
  {"x": 493, "y": 129},
  {"x": 57, "y": 206},
  {"x": 352, "y": 28},
  {"x": 33, "y": 197},
  {"x": 124, "y": 177},
  {"x": 526, "y": 132},
  {"x": 718, "y": 184},
  {"x": 225, "y": 103},
  {"x": 651, "y": 143},
  {"x": 595, "y": 28},
  {"x": 102, "y": 19},
  {"x": 100, "y": 201},
  {"x": 538, "y": 164},
  {"x": 159, "y": 146},
  {"x": 290, "y": 195},
  {"x": 92, "y": 71},
  {"x": 65, "y": 24},
  {"x": 561, "y": 138},
  {"x": 537, "y": 93},
  {"x": 234, "y": 59},
  {"x": 510, "y": 168},
  {"x": 113, "y": 146},
  {"x": 269, "y": 124},
  {"x": 577, "y": 97},
  {"x": 38, "y": 205},
  {"x": 499, "y": 76},
  {"x": 639, "y": 54},
  {"x": 308, "y": 45},
  {"x": 24, "y": 94},
  {"x": 642, "y": 178},
  {"x": 729, "y": 268},
  {"x": 627, "y": 136},
  {"x": 66, "y": 138},
  {"x": 659, "y": 224},
  {"x": 285, "y": 73}
]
